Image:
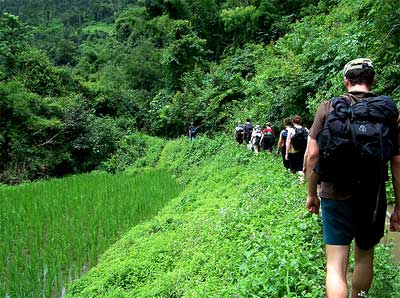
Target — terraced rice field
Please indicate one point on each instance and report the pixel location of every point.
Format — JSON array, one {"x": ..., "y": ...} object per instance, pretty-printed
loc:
[{"x": 53, "y": 231}]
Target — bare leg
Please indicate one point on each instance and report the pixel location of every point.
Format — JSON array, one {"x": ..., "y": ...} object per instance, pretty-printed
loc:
[
  {"x": 337, "y": 260},
  {"x": 363, "y": 270}
]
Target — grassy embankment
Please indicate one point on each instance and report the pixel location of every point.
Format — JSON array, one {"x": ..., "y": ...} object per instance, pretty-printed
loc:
[
  {"x": 239, "y": 229},
  {"x": 52, "y": 231}
]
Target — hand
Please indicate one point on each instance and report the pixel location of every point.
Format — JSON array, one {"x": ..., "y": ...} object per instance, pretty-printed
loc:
[
  {"x": 395, "y": 220},
  {"x": 286, "y": 157},
  {"x": 312, "y": 204}
]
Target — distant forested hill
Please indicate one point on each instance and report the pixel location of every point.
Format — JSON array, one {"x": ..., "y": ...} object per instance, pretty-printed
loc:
[
  {"x": 72, "y": 12},
  {"x": 77, "y": 77}
]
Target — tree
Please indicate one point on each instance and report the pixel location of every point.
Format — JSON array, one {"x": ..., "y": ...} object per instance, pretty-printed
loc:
[
  {"x": 240, "y": 23},
  {"x": 183, "y": 52},
  {"x": 34, "y": 70},
  {"x": 14, "y": 36},
  {"x": 30, "y": 128}
]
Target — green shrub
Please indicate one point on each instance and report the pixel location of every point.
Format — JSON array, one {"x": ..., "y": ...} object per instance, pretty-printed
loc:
[{"x": 135, "y": 151}]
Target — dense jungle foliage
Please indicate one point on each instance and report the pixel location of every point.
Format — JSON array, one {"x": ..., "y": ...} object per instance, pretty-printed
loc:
[{"x": 76, "y": 77}]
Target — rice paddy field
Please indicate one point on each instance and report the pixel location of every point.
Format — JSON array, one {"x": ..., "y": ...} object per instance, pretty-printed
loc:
[{"x": 54, "y": 231}]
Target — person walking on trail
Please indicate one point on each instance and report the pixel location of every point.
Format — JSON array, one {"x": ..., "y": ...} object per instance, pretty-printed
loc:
[
  {"x": 267, "y": 138},
  {"x": 296, "y": 143},
  {"x": 352, "y": 140},
  {"x": 248, "y": 130},
  {"x": 239, "y": 133},
  {"x": 192, "y": 131},
  {"x": 282, "y": 141},
  {"x": 255, "y": 140}
]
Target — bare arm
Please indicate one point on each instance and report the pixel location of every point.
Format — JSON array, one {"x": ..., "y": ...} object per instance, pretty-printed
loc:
[
  {"x": 288, "y": 143},
  {"x": 306, "y": 156},
  {"x": 313, "y": 202},
  {"x": 280, "y": 143},
  {"x": 395, "y": 217}
]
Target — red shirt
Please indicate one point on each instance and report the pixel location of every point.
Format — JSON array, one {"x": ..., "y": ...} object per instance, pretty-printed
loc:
[{"x": 268, "y": 129}]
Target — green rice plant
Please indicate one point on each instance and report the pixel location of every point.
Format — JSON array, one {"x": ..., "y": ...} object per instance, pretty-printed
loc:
[{"x": 54, "y": 231}]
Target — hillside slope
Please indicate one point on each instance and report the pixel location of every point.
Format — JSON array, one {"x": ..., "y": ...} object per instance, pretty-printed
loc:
[{"x": 239, "y": 229}]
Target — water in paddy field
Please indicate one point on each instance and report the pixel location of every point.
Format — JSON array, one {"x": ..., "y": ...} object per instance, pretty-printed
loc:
[{"x": 393, "y": 237}]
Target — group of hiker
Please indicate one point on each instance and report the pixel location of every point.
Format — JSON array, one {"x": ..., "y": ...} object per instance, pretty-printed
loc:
[
  {"x": 345, "y": 157},
  {"x": 256, "y": 138},
  {"x": 291, "y": 144}
]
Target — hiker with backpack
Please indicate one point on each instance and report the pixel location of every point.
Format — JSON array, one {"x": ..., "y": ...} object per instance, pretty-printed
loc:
[
  {"x": 192, "y": 131},
  {"x": 248, "y": 130},
  {"x": 239, "y": 133},
  {"x": 352, "y": 140},
  {"x": 267, "y": 138},
  {"x": 255, "y": 140},
  {"x": 296, "y": 143},
  {"x": 282, "y": 141}
]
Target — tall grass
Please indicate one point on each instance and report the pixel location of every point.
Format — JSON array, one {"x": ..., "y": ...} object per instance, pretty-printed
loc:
[{"x": 53, "y": 231}]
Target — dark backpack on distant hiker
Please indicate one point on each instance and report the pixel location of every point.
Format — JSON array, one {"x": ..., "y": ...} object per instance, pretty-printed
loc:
[
  {"x": 299, "y": 140},
  {"x": 357, "y": 141},
  {"x": 192, "y": 130},
  {"x": 239, "y": 134},
  {"x": 248, "y": 128},
  {"x": 284, "y": 134},
  {"x": 267, "y": 140}
]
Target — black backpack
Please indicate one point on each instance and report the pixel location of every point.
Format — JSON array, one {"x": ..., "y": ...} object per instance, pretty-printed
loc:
[
  {"x": 239, "y": 133},
  {"x": 192, "y": 130},
  {"x": 284, "y": 135},
  {"x": 299, "y": 140},
  {"x": 267, "y": 140},
  {"x": 248, "y": 128},
  {"x": 357, "y": 141}
]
